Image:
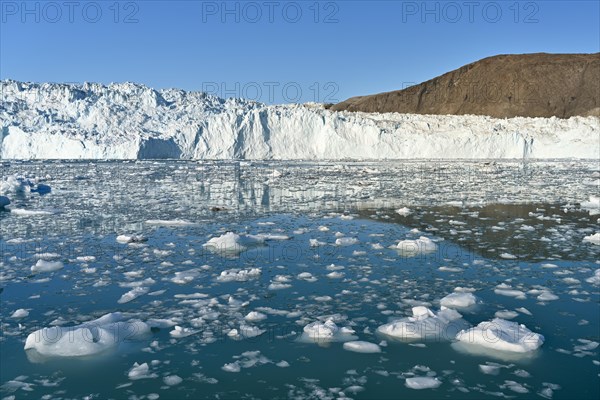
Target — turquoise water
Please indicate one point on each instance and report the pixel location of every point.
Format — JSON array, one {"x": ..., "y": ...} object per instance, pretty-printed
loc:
[{"x": 91, "y": 204}]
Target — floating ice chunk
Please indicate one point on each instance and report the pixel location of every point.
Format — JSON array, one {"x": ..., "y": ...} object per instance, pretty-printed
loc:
[
  {"x": 172, "y": 380},
  {"x": 255, "y": 316},
  {"x": 133, "y": 294},
  {"x": 593, "y": 205},
  {"x": 594, "y": 279},
  {"x": 161, "y": 323},
  {"x": 506, "y": 290},
  {"x": 547, "y": 295},
  {"x": 425, "y": 325},
  {"x": 325, "y": 332},
  {"x": 316, "y": 243},
  {"x": 359, "y": 346},
  {"x": 232, "y": 243},
  {"x": 141, "y": 371},
  {"x": 279, "y": 286},
  {"x": 335, "y": 275},
  {"x": 283, "y": 364},
  {"x": 595, "y": 238},
  {"x": 179, "y": 332},
  {"x": 89, "y": 338},
  {"x": 506, "y": 314},
  {"x": 46, "y": 266},
  {"x": 20, "y": 313},
  {"x": 131, "y": 239},
  {"x": 239, "y": 275},
  {"x": 345, "y": 241},
  {"x": 501, "y": 335},
  {"x": 415, "y": 247},
  {"x": 245, "y": 332},
  {"x": 515, "y": 387},
  {"x": 508, "y": 256},
  {"x": 183, "y": 277},
  {"x": 306, "y": 276},
  {"x": 232, "y": 367},
  {"x": 261, "y": 237},
  {"x": 422, "y": 382},
  {"x": 488, "y": 369},
  {"x": 170, "y": 222},
  {"x": 459, "y": 300},
  {"x": 404, "y": 211}
]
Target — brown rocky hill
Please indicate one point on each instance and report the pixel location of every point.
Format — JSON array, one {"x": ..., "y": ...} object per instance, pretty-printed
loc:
[{"x": 528, "y": 85}]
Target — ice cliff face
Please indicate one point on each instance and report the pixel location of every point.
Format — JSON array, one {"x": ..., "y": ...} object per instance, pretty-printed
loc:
[{"x": 130, "y": 121}]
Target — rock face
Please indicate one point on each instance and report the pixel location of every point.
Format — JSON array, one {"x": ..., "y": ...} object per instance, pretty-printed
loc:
[
  {"x": 504, "y": 86},
  {"x": 131, "y": 121}
]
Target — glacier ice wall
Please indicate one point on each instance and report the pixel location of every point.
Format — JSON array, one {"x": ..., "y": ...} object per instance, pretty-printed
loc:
[{"x": 131, "y": 121}]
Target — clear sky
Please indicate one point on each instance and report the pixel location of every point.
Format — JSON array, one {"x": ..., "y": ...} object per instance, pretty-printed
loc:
[{"x": 279, "y": 51}]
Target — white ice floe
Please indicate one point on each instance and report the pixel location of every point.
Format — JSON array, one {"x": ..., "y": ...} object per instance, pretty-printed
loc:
[
  {"x": 238, "y": 275},
  {"x": 133, "y": 294},
  {"x": 170, "y": 222},
  {"x": 547, "y": 295},
  {"x": 506, "y": 314},
  {"x": 595, "y": 238},
  {"x": 232, "y": 243},
  {"x": 141, "y": 371},
  {"x": 459, "y": 300},
  {"x": 20, "y": 313},
  {"x": 501, "y": 335},
  {"x": 254, "y": 316},
  {"x": 172, "y": 380},
  {"x": 346, "y": 241},
  {"x": 593, "y": 205},
  {"x": 424, "y": 324},
  {"x": 131, "y": 239},
  {"x": 415, "y": 247},
  {"x": 46, "y": 266},
  {"x": 423, "y": 382},
  {"x": 404, "y": 211},
  {"x": 325, "y": 332},
  {"x": 90, "y": 338},
  {"x": 359, "y": 346},
  {"x": 506, "y": 290},
  {"x": 183, "y": 277},
  {"x": 594, "y": 279},
  {"x": 180, "y": 332}
]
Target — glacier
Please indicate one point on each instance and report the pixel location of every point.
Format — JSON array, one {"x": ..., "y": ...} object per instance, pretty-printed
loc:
[{"x": 132, "y": 121}]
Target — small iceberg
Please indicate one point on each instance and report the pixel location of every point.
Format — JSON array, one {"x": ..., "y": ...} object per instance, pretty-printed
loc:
[
  {"x": 358, "y": 346},
  {"x": 422, "y": 382},
  {"x": 326, "y": 332},
  {"x": 595, "y": 238},
  {"x": 425, "y": 325},
  {"x": 461, "y": 300},
  {"x": 500, "y": 335},
  {"x": 411, "y": 248},
  {"x": 232, "y": 243},
  {"x": 88, "y": 339}
]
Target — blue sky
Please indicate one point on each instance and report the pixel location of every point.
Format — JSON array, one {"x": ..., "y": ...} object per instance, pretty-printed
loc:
[{"x": 279, "y": 51}]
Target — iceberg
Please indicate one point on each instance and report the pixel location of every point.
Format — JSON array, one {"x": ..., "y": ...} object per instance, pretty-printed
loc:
[
  {"x": 424, "y": 324},
  {"x": 501, "y": 335},
  {"x": 88, "y": 339}
]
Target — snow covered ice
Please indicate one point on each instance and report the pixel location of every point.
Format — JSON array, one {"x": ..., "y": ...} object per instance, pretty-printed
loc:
[
  {"x": 88, "y": 339},
  {"x": 424, "y": 324},
  {"x": 501, "y": 335},
  {"x": 131, "y": 121}
]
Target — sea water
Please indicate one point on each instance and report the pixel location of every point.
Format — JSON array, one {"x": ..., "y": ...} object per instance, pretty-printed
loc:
[{"x": 350, "y": 245}]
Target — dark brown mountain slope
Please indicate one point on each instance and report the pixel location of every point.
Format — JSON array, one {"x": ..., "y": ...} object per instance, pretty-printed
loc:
[{"x": 528, "y": 85}]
